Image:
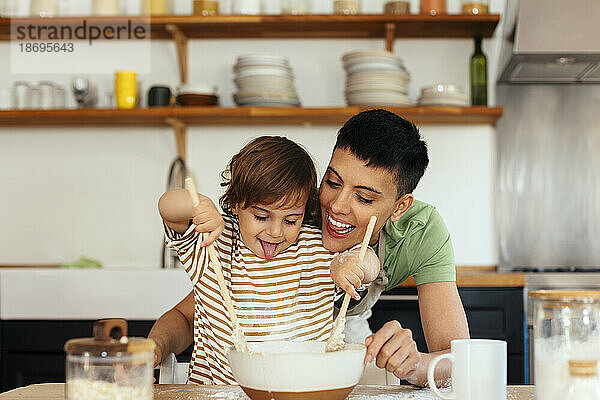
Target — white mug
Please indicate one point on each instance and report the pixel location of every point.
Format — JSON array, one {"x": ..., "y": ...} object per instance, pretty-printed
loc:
[{"x": 478, "y": 370}]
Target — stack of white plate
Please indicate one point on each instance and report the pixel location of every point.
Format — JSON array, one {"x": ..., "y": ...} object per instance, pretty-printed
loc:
[
  {"x": 375, "y": 78},
  {"x": 264, "y": 81},
  {"x": 443, "y": 94}
]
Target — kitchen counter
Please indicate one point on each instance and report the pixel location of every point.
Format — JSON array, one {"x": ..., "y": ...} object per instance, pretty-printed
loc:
[
  {"x": 55, "y": 391},
  {"x": 137, "y": 294},
  {"x": 90, "y": 294},
  {"x": 481, "y": 277}
]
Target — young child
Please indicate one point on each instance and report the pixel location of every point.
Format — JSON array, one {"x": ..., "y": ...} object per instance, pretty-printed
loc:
[{"x": 274, "y": 263}]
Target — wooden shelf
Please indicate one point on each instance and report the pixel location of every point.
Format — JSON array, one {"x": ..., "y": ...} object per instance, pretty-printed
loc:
[
  {"x": 292, "y": 26},
  {"x": 239, "y": 116}
]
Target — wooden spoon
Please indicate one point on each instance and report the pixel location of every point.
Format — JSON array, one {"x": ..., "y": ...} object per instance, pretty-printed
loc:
[
  {"x": 336, "y": 339},
  {"x": 239, "y": 340}
]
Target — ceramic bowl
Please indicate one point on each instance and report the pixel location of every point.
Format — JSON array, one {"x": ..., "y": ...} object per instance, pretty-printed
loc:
[
  {"x": 244, "y": 72},
  {"x": 369, "y": 53},
  {"x": 373, "y": 86},
  {"x": 253, "y": 59},
  {"x": 264, "y": 80},
  {"x": 398, "y": 75},
  {"x": 197, "y": 89},
  {"x": 197, "y": 100},
  {"x": 297, "y": 370},
  {"x": 440, "y": 89}
]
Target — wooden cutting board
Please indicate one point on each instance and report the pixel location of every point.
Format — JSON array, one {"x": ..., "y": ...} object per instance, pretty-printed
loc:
[{"x": 55, "y": 391}]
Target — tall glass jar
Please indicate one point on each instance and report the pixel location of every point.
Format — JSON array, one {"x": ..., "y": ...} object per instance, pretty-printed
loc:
[
  {"x": 109, "y": 365},
  {"x": 566, "y": 327},
  {"x": 475, "y": 7},
  {"x": 346, "y": 7}
]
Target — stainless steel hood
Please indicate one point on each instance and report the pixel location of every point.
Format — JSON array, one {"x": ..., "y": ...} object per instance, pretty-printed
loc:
[{"x": 555, "y": 41}]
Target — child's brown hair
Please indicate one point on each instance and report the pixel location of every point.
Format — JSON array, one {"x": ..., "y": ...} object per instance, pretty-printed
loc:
[{"x": 269, "y": 169}]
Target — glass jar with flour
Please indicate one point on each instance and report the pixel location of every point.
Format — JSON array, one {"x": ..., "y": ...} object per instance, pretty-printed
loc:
[{"x": 566, "y": 328}]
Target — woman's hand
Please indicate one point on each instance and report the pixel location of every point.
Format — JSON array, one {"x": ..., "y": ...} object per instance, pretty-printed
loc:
[
  {"x": 157, "y": 356},
  {"x": 394, "y": 349},
  {"x": 208, "y": 220},
  {"x": 350, "y": 274}
]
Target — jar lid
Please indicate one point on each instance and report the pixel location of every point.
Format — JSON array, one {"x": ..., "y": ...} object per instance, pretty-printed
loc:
[
  {"x": 578, "y": 295},
  {"x": 583, "y": 367},
  {"x": 110, "y": 336}
]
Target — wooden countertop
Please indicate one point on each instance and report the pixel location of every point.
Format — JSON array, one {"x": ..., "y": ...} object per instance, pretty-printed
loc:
[
  {"x": 481, "y": 277},
  {"x": 55, "y": 391}
]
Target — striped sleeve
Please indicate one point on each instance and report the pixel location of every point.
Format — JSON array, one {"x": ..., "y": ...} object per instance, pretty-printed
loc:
[{"x": 192, "y": 256}]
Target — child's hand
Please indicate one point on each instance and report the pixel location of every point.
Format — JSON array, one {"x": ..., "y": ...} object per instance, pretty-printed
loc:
[
  {"x": 350, "y": 274},
  {"x": 208, "y": 220}
]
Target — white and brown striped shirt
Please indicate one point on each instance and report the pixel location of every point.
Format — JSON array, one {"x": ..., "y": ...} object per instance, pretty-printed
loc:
[{"x": 289, "y": 297}]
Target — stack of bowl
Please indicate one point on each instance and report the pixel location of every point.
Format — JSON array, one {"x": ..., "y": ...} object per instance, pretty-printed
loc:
[
  {"x": 442, "y": 94},
  {"x": 264, "y": 81},
  {"x": 375, "y": 78},
  {"x": 197, "y": 95}
]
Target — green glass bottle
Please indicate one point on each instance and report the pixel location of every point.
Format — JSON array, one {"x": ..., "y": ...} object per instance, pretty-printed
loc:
[{"x": 478, "y": 75}]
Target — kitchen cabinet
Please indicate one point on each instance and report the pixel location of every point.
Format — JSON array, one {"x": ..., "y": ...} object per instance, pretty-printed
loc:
[
  {"x": 32, "y": 351},
  {"x": 492, "y": 313}
]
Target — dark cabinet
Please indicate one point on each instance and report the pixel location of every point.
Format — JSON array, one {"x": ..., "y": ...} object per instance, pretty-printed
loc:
[
  {"x": 24, "y": 369},
  {"x": 492, "y": 313},
  {"x": 32, "y": 351}
]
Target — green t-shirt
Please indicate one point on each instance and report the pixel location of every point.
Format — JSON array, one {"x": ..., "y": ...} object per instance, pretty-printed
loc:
[{"x": 418, "y": 244}]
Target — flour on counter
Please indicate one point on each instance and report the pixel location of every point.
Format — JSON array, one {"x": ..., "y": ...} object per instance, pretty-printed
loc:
[
  {"x": 82, "y": 389},
  {"x": 383, "y": 393}
]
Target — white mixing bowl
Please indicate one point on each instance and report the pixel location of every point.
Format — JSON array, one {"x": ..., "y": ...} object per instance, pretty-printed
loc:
[{"x": 297, "y": 370}]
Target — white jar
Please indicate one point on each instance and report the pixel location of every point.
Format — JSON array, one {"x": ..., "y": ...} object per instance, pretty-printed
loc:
[
  {"x": 245, "y": 7},
  {"x": 43, "y": 8},
  {"x": 105, "y": 7}
]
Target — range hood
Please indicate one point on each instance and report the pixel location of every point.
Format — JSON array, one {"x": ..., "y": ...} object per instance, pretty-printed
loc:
[{"x": 555, "y": 41}]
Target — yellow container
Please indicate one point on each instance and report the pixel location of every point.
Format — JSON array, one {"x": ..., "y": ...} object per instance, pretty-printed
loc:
[
  {"x": 206, "y": 7},
  {"x": 126, "y": 89},
  {"x": 155, "y": 7}
]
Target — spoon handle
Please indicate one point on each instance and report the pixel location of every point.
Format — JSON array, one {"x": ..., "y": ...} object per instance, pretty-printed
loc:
[{"x": 214, "y": 259}]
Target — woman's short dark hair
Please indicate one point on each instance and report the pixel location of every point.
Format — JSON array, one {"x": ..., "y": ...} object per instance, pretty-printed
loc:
[
  {"x": 384, "y": 140},
  {"x": 270, "y": 169}
]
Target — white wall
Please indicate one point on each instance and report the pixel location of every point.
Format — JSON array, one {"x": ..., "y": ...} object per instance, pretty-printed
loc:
[{"x": 92, "y": 191}]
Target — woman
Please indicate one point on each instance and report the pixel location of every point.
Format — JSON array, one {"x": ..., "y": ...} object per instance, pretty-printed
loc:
[{"x": 377, "y": 163}]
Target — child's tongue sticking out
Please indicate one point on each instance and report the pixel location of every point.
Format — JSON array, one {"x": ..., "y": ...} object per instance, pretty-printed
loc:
[{"x": 268, "y": 249}]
